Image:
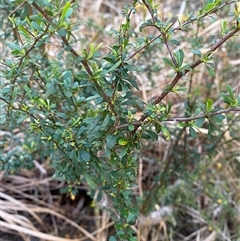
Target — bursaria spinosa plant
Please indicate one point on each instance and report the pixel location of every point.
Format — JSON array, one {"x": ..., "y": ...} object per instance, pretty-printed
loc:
[{"x": 81, "y": 106}]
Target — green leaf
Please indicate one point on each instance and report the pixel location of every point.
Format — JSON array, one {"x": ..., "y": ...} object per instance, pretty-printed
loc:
[
  {"x": 123, "y": 141},
  {"x": 93, "y": 97},
  {"x": 112, "y": 238},
  {"x": 6, "y": 89},
  {"x": 81, "y": 130},
  {"x": 3, "y": 119},
  {"x": 197, "y": 52},
  {"x": 179, "y": 57},
  {"x": 106, "y": 120},
  {"x": 133, "y": 83},
  {"x": 50, "y": 89},
  {"x": 226, "y": 98},
  {"x": 147, "y": 23},
  {"x": 111, "y": 141},
  {"x": 198, "y": 111},
  {"x": 130, "y": 217},
  {"x": 157, "y": 127},
  {"x": 218, "y": 118},
  {"x": 224, "y": 29},
  {"x": 135, "y": 211},
  {"x": 83, "y": 156},
  {"x": 166, "y": 132},
  {"x": 38, "y": 18},
  {"x": 178, "y": 88},
  {"x": 64, "y": 190},
  {"x": 199, "y": 122},
  {"x": 209, "y": 104},
  {"x": 211, "y": 128},
  {"x": 23, "y": 31},
  {"x": 230, "y": 91},
  {"x": 132, "y": 238},
  {"x": 211, "y": 70},
  {"x": 106, "y": 175},
  {"x": 43, "y": 3},
  {"x": 75, "y": 121},
  {"x": 64, "y": 11},
  {"x": 114, "y": 66},
  {"x": 192, "y": 132},
  {"x": 26, "y": 88},
  {"x": 14, "y": 46},
  {"x": 82, "y": 75},
  {"x": 99, "y": 196},
  {"x": 210, "y": 6},
  {"x": 36, "y": 26},
  {"x": 21, "y": 119},
  {"x": 152, "y": 134},
  {"x": 130, "y": 127},
  {"x": 90, "y": 181},
  {"x": 167, "y": 61},
  {"x": 68, "y": 13},
  {"x": 230, "y": 98},
  {"x": 62, "y": 32}
]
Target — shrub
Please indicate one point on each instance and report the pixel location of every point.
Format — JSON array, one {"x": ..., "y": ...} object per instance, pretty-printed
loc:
[{"x": 79, "y": 109}]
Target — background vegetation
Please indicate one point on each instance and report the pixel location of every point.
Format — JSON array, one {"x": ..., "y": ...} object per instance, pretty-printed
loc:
[{"x": 120, "y": 121}]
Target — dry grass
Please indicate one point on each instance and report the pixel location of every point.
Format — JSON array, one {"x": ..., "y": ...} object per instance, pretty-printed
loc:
[{"x": 29, "y": 208}]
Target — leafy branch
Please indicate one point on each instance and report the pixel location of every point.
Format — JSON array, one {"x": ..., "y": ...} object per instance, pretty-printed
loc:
[
  {"x": 219, "y": 112},
  {"x": 163, "y": 32},
  {"x": 214, "y": 9},
  {"x": 185, "y": 119},
  {"x": 179, "y": 75},
  {"x": 143, "y": 47},
  {"x": 84, "y": 61},
  {"x": 29, "y": 50}
]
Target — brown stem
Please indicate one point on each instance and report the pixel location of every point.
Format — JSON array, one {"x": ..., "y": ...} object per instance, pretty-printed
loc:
[
  {"x": 184, "y": 119},
  {"x": 179, "y": 75},
  {"x": 169, "y": 51},
  {"x": 150, "y": 10},
  {"x": 195, "y": 64},
  {"x": 143, "y": 47}
]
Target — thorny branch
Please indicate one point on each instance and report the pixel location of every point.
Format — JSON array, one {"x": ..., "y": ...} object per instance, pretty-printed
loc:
[
  {"x": 84, "y": 62},
  {"x": 179, "y": 75},
  {"x": 162, "y": 32},
  {"x": 187, "y": 119}
]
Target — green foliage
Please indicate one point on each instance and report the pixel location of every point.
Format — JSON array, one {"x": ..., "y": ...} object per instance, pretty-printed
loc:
[
  {"x": 230, "y": 98},
  {"x": 79, "y": 107}
]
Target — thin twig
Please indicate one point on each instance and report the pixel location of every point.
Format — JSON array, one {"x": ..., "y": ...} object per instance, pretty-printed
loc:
[
  {"x": 150, "y": 10},
  {"x": 186, "y": 119},
  {"x": 187, "y": 22},
  {"x": 162, "y": 32},
  {"x": 29, "y": 50},
  {"x": 143, "y": 47},
  {"x": 18, "y": 109}
]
